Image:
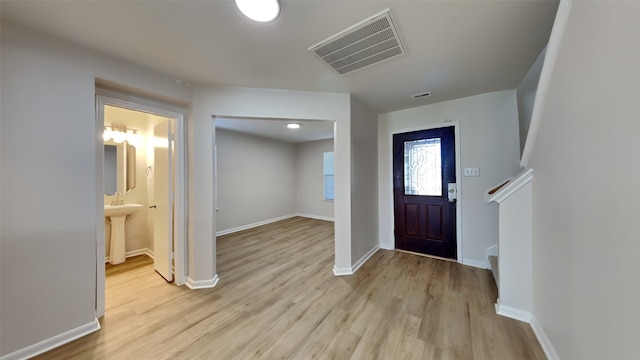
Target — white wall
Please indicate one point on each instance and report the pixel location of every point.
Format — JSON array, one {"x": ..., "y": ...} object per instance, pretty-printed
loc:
[
  {"x": 256, "y": 179},
  {"x": 489, "y": 141},
  {"x": 526, "y": 95},
  {"x": 586, "y": 199},
  {"x": 364, "y": 182},
  {"x": 50, "y": 202},
  {"x": 290, "y": 180},
  {"x": 310, "y": 179},
  {"x": 514, "y": 249}
]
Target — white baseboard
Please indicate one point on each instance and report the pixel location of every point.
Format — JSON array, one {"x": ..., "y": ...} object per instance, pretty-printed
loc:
[
  {"x": 132, "y": 253},
  {"x": 202, "y": 284},
  {"x": 527, "y": 317},
  {"x": 387, "y": 246},
  {"x": 544, "y": 341},
  {"x": 364, "y": 259},
  {"x": 351, "y": 270},
  {"x": 513, "y": 313},
  {"x": 53, "y": 342},
  {"x": 475, "y": 263},
  {"x": 250, "y": 226},
  {"x": 317, "y": 217},
  {"x": 490, "y": 251},
  {"x": 342, "y": 271}
]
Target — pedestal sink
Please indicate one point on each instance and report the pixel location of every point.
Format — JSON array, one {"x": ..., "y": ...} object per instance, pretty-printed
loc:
[{"x": 118, "y": 215}]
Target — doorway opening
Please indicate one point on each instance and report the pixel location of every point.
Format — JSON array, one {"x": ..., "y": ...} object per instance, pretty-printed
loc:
[
  {"x": 266, "y": 172},
  {"x": 140, "y": 187}
]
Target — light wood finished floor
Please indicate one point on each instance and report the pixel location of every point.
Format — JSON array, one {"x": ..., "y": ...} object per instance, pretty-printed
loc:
[{"x": 278, "y": 299}]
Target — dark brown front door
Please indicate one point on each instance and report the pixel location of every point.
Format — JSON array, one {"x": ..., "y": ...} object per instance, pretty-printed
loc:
[{"x": 423, "y": 169}]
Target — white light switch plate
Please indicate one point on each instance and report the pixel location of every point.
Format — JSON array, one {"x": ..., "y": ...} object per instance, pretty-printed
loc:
[{"x": 471, "y": 172}]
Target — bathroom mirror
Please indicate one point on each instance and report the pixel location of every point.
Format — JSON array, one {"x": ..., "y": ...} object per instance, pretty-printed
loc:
[{"x": 119, "y": 167}]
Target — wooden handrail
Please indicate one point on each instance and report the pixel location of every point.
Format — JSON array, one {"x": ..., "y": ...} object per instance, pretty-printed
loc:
[{"x": 495, "y": 189}]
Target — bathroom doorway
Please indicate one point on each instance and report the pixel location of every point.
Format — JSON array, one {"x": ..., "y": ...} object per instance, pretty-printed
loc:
[{"x": 141, "y": 195}]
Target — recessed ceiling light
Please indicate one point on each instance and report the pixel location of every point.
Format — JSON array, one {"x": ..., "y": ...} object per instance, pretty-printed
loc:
[
  {"x": 293, "y": 126},
  {"x": 259, "y": 10}
]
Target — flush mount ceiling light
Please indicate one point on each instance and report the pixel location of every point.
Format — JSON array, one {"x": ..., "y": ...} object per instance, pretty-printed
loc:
[
  {"x": 293, "y": 126},
  {"x": 259, "y": 10}
]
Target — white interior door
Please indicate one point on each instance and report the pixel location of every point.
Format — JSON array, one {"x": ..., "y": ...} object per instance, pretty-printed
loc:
[{"x": 163, "y": 194}]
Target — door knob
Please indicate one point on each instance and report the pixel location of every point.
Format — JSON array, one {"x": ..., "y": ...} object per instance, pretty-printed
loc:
[{"x": 452, "y": 192}]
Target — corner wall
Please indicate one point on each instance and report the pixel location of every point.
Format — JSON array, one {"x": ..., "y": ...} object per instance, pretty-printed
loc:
[
  {"x": 586, "y": 199},
  {"x": 256, "y": 179},
  {"x": 310, "y": 179},
  {"x": 364, "y": 184},
  {"x": 489, "y": 141},
  {"x": 526, "y": 95}
]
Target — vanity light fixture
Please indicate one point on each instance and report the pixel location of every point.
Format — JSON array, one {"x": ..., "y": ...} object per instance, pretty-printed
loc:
[
  {"x": 119, "y": 133},
  {"x": 293, "y": 126},
  {"x": 259, "y": 10}
]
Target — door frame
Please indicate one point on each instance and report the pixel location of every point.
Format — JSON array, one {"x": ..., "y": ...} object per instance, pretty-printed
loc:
[
  {"x": 108, "y": 97},
  {"x": 456, "y": 130}
]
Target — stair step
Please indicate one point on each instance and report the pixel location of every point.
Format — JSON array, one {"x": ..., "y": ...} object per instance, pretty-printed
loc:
[{"x": 493, "y": 261}]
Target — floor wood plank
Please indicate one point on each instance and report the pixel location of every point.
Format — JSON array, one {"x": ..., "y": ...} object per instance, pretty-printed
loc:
[{"x": 278, "y": 299}]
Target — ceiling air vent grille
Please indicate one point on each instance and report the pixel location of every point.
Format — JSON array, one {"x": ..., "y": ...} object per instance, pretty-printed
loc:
[{"x": 362, "y": 45}]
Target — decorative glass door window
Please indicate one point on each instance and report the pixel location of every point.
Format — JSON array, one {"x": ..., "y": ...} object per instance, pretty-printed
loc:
[{"x": 423, "y": 167}]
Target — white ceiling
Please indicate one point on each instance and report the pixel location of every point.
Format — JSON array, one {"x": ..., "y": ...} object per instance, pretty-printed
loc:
[
  {"x": 277, "y": 128},
  {"x": 454, "y": 48}
]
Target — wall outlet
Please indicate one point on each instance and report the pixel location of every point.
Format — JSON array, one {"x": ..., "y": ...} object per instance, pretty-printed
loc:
[{"x": 471, "y": 172}]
